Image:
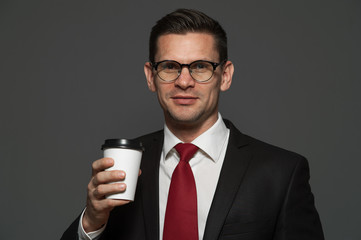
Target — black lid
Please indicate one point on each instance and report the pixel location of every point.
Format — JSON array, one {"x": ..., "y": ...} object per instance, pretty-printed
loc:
[{"x": 123, "y": 143}]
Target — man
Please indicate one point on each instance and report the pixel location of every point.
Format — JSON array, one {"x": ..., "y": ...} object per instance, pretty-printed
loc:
[{"x": 245, "y": 189}]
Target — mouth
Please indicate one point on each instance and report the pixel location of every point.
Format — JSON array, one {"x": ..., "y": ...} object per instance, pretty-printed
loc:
[{"x": 184, "y": 100}]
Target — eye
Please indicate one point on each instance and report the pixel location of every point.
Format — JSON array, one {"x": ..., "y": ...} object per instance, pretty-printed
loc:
[
  {"x": 169, "y": 66},
  {"x": 199, "y": 65}
]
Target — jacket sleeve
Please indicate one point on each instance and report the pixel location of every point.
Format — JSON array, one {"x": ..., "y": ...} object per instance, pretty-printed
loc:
[
  {"x": 298, "y": 218},
  {"x": 72, "y": 232}
]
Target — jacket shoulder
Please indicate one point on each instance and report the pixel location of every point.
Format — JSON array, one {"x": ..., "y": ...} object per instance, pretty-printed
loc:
[
  {"x": 151, "y": 137},
  {"x": 260, "y": 148},
  {"x": 266, "y": 148}
]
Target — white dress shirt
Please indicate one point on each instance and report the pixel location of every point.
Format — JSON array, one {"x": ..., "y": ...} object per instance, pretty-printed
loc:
[{"x": 206, "y": 165}]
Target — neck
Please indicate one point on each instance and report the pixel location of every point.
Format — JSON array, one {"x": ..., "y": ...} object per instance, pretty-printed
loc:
[{"x": 187, "y": 132}]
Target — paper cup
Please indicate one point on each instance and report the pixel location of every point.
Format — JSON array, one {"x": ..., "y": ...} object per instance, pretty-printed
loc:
[{"x": 127, "y": 155}]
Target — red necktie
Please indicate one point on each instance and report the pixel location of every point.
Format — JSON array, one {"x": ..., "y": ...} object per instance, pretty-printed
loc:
[{"x": 181, "y": 222}]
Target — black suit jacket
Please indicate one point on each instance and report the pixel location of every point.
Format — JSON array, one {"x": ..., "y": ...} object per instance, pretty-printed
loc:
[{"x": 262, "y": 193}]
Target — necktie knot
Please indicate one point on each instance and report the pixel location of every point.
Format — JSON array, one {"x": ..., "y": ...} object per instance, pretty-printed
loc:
[{"x": 186, "y": 151}]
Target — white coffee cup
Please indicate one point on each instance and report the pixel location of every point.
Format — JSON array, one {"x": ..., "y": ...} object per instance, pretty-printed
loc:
[{"x": 127, "y": 155}]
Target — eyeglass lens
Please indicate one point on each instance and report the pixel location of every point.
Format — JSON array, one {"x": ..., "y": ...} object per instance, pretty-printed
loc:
[{"x": 170, "y": 70}]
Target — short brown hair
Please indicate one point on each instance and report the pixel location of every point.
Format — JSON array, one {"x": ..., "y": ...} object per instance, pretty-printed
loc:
[{"x": 182, "y": 21}]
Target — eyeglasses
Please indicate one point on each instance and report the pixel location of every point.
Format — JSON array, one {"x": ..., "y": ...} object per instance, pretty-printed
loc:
[{"x": 200, "y": 70}]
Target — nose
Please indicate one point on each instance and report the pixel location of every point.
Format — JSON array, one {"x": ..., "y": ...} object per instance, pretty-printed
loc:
[{"x": 185, "y": 79}]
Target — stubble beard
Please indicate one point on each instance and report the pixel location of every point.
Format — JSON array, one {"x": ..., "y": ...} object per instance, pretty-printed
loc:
[
  {"x": 191, "y": 119},
  {"x": 186, "y": 119}
]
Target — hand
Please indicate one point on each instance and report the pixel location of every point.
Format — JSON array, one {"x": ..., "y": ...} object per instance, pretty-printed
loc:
[{"x": 98, "y": 207}]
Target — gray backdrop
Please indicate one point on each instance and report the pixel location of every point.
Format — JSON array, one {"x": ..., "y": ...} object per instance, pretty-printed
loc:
[{"x": 72, "y": 75}]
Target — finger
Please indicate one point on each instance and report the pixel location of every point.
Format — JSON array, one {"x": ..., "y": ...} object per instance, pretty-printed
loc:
[
  {"x": 102, "y": 164},
  {"x": 104, "y": 205},
  {"x": 108, "y": 177},
  {"x": 108, "y": 204},
  {"x": 116, "y": 202},
  {"x": 104, "y": 190},
  {"x": 140, "y": 172}
]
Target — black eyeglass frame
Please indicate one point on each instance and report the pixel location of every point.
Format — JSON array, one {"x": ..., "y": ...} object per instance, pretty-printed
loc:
[{"x": 214, "y": 65}]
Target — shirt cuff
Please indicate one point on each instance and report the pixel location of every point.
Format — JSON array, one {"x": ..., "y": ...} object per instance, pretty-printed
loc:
[{"x": 90, "y": 235}]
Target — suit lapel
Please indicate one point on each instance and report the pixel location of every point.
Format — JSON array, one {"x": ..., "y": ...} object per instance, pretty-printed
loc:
[
  {"x": 150, "y": 186},
  {"x": 234, "y": 167}
]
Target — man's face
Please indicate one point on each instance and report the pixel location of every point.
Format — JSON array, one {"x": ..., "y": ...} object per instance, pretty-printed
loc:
[{"x": 186, "y": 101}]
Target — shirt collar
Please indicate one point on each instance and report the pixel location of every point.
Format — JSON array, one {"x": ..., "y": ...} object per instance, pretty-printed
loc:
[{"x": 211, "y": 141}]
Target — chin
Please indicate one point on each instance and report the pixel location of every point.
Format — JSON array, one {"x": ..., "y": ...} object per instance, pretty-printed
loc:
[
  {"x": 190, "y": 118},
  {"x": 186, "y": 118}
]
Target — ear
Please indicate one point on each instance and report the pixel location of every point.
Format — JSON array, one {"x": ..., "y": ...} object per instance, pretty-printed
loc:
[
  {"x": 227, "y": 74},
  {"x": 149, "y": 74}
]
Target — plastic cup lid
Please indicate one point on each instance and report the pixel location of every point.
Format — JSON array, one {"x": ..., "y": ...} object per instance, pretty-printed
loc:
[{"x": 123, "y": 143}]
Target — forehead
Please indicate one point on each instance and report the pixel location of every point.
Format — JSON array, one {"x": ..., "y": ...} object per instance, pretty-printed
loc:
[{"x": 186, "y": 48}]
